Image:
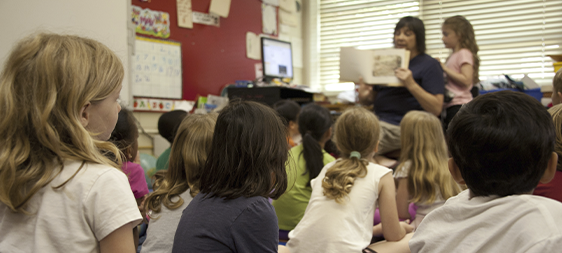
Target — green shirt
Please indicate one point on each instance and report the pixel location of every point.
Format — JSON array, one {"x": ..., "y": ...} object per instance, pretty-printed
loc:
[
  {"x": 291, "y": 205},
  {"x": 162, "y": 162}
]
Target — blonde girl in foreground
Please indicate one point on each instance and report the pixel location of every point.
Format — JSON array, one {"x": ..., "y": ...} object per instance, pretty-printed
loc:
[
  {"x": 180, "y": 183},
  {"x": 422, "y": 174},
  {"x": 58, "y": 190},
  {"x": 339, "y": 216}
]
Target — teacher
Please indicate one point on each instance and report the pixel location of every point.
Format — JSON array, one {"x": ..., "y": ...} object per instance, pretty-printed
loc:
[{"x": 423, "y": 85}]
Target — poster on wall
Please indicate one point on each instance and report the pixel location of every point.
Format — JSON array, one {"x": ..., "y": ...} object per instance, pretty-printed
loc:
[
  {"x": 269, "y": 19},
  {"x": 184, "y": 13},
  {"x": 149, "y": 22},
  {"x": 206, "y": 18}
]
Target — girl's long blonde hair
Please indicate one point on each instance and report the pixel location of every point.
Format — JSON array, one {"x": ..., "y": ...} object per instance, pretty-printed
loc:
[
  {"x": 44, "y": 84},
  {"x": 357, "y": 129},
  {"x": 465, "y": 32},
  {"x": 189, "y": 153},
  {"x": 423, "y": 144}
]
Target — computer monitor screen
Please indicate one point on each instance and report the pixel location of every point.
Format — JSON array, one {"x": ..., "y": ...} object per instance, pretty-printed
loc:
[{"x": 277, "y": 59}]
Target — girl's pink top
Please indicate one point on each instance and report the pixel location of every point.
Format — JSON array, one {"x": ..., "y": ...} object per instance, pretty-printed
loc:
[
  {"x": 135, "y": 173},
  {"x": 455, "y": 62}
]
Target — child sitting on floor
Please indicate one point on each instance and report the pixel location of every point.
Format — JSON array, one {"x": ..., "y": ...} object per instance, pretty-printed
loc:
[{"x": 502, "y": 145}]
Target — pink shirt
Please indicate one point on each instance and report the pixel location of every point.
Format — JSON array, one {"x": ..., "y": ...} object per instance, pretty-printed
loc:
[
  {"x": 135, "y": 173},
  {"x": 455, "y": 62}
]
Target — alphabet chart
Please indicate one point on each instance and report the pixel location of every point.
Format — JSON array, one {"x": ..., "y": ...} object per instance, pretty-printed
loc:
[{"x": 157, "y": 69}]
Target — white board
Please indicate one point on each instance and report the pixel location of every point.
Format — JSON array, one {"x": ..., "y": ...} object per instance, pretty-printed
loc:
[{"x": 157, "y": 70}]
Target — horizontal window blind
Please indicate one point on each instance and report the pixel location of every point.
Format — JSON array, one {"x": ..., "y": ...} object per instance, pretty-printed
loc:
[
  {"x": 359, "y": 23},
  {"x": 515, "y": 37}
]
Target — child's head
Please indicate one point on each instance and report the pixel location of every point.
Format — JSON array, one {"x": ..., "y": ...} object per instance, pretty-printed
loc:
[
  {"x": 189, "y": 153},
  {"x": 457, "y": 31},
  {"x": 248, "y": 153},
  {"x": 289, "y": 111},
  {"x": 58, "y": 100},
  {"x": 424, "y": 147},
  {"x": 125, "y": 135},
  {"x": 315, "y": 124},
  {"x": 356, "y": 135},
  {"x": 501, "y": 144},
  {"x": 556, "y": 113},
  {"x": 168, "y": 124},
  {"x": 557, "y": 88}
]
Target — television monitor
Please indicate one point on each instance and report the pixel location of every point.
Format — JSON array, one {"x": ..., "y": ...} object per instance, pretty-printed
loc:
[{"x": 276, "y": 58}]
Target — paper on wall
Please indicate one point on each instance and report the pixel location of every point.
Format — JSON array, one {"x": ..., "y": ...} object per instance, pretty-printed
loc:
[
  {"x": 184, "y": 13},
  {"x": 287, "y": 18},
  {"x": 220, "y": 7},
  {"x": 269, "y": 19},
  {"x": 206, "y": 18},
  {"x": 288, "y": 5},
  {"x": 296, "y": 45},
  {"x": 253, "y": 46},
  {"x": 271, "y": 2}
]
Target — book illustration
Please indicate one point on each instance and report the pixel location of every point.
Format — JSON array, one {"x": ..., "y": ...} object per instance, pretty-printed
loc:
[
  {"x": 376, "y": 66},
  {"x": 385, "y": 65}
]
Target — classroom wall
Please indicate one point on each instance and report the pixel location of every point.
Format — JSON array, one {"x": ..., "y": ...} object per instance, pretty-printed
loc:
[{"x": 103, "y": 20}]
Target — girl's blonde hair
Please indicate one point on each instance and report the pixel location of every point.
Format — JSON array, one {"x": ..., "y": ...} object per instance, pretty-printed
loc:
[
  {"x": 556, "y": 113},
  {"x": 46, "y": 81},
  {"x": 465, "y": 32},
  {"x": 357, "y": 129},
  {"x": 423, "y": 144},
  {"x": 189, "y": 153}
]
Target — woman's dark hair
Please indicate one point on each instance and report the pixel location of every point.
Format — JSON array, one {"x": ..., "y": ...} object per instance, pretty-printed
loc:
[
  {"x": 168, "y": 124},
  {"x": 415, "y": 25},
  {"x": 248, "y": 153},
  {"x": 288, "y": 109},
  {"x": 314, "y": 121},
  {"x": 125, "y": 133}
]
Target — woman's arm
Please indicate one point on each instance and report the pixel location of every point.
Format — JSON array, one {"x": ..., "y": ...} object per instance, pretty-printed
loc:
[
  {"x": 464, "y": 77},
  {"x": 402, "y": 198},
  {"x": 429, "y": 102},
  {"x": 391, "y": 228}
]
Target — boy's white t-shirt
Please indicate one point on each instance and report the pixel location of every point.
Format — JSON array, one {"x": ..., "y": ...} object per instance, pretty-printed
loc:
[
  {"x": 517, "y": 223},
  {"x": 331, "y": 227},
  {"x": 75, "y": 217}
]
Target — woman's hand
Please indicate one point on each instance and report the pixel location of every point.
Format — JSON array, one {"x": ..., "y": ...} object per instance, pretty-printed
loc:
[
  {"x": 405, "y": 75},
  {"x": 364, "y": 93}
]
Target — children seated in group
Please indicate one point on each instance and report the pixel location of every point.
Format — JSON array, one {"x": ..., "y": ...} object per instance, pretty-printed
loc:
[
  {"x": 167, "y": 125},
  {"x": 181, "y": 181},
  {"x": 422, "y": 176},
  {"x": 59, "y": 190},
  {"x": 305, "y": 163},
  {"x": 125, "y": 137},
  {"x": 245, "y": 166},
  {"x": 289, "y": 110},
  {"x": 461, "y": 68},
  {"x": 339, "y": 216},
  {"x": 553, "y": 189},
  {"x": 502, "y": 146}
]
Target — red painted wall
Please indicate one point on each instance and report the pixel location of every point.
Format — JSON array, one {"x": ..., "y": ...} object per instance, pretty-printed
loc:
[{"x": 213, "y": 57}]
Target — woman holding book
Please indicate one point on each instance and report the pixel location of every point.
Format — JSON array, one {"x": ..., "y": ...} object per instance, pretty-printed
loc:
[{"x": 422, "y": 85}]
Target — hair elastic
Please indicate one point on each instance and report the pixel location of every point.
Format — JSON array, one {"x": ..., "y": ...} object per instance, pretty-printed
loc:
[{"x": 355, "y": 154}]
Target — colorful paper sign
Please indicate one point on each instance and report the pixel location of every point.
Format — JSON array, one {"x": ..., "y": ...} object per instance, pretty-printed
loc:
[
  {"x": 149, "y": 22},
  {"x": 161, "y": 105}
]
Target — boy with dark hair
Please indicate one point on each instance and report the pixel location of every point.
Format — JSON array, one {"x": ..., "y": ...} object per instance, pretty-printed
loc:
[
  {"x": 502, "y": 145},
  {"x": 167, "y": 125},
  {"x": 289, "y": 110}
]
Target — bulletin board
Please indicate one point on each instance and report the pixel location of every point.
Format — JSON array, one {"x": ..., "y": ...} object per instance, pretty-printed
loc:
[
  {"x": 157, "y": 69},
  {"x": 213, "y": 56}
]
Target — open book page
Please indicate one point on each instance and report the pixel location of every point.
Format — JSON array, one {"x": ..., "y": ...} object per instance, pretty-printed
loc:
[{"x": 375, "y": 66}]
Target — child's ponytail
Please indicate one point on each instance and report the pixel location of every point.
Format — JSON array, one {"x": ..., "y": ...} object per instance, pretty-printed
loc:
[
  {"x": 314, "y": 121},
  {"x": 356, "y": 135}
]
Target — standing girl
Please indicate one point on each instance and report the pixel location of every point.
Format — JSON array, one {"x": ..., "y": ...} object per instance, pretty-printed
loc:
[
  {"x": 245, "y": 166},
  {"x": 461, "y": 68},
  {"x": 181, "y": 181},
  {"x": 58, "y": 190},
  {"x": 305, "y": 163},
  {"x": 423, "y": 174},
  {"x": 339, "y": 216}
]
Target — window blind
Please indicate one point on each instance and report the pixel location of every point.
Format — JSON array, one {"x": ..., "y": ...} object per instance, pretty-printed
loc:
[
  {"x": 515, "y": 37},
  {"x": 364, "y": 24}
]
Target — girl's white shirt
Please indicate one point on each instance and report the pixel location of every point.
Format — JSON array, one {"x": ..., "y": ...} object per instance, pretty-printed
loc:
[
  {"x": 331, "y": 227},
  {"x": 75, "y": 217}
]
